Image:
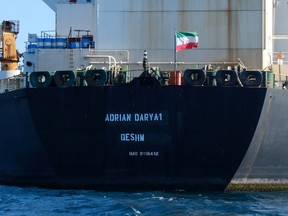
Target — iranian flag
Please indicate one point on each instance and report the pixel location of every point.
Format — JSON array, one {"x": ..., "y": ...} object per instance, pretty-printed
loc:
[{"x": 186, "y": 40}]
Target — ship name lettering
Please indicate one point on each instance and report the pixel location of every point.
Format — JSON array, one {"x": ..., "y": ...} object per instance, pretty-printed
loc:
[
  {"x": 131, "y": 137},
  {"x": 118, "y": 117},
  {"x": 148, "y": 117},
  {"x": 138, "y": 117}
]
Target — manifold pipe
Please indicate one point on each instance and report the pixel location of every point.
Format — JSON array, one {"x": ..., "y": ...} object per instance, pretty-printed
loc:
[
  {"x": 169, "y": 63},
  {"x": 103, "y": 56}
]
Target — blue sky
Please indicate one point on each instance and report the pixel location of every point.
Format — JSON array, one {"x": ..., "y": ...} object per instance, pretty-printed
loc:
[{"x": 34, "y": 16}]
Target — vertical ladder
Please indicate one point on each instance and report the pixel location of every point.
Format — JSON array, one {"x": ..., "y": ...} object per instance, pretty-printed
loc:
[{"x": 71, "y": 59}]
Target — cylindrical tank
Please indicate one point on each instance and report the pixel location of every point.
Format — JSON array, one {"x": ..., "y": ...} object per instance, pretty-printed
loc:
[
  {"x": 74, "y": 45},
  {"x": 86, "y": 41},
  {"x": 32, "y": 47},
  {"x": 74, "y": 42},
  {"x": 175, "y": 78},
  {"x": 40, "y": 43},
  {"x": 53, "y": 43},
  {"x": 47, "y": 43},
  {"x": 61, "y": 43}
]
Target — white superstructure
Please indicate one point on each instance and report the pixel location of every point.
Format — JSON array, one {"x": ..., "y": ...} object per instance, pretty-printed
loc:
[{"x": 230, "y": 31}]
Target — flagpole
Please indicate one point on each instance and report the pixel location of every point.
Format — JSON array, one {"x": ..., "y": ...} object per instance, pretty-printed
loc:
[{"x": 175, "y": 52}]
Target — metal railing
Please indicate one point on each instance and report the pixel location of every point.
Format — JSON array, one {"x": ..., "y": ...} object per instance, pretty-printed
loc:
[{"x": 11, "y": 84}]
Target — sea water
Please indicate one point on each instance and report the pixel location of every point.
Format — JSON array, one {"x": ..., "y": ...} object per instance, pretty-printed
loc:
[{"x": 19, "y": 201}]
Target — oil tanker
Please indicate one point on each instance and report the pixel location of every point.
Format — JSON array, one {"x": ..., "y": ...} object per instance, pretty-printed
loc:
[{"x": 82, "y": 117}]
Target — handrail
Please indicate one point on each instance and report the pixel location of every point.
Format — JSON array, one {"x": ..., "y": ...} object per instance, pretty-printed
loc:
[
  {"x": 103, "y": 56},
  {"x": 96, "y": 51}
]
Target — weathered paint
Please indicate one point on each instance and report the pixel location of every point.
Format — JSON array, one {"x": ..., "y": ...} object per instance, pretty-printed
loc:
[{"x": 227, "y": 29}]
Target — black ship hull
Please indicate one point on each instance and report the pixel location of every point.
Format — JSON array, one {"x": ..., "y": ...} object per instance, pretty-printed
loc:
[{"x": 129, "y": 137}]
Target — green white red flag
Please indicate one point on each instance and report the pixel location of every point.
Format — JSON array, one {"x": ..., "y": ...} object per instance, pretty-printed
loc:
[{"x": 186, "y": 40}]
